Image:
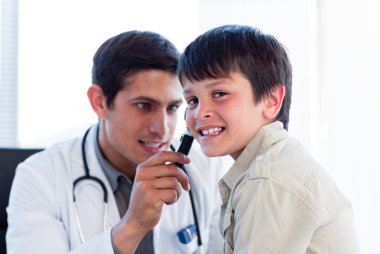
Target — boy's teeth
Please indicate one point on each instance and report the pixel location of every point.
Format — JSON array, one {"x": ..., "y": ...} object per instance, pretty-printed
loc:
[
  {"x": 211, "y": 131},
  {"x": 152, "y": 145}
]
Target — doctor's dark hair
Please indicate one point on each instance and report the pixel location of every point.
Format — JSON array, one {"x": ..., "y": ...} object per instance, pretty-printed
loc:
[
  {"x": 234, "y": 48},
  {"x": 121, "y": 56}
]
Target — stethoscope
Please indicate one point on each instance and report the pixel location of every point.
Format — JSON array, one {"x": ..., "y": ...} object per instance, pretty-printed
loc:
[
  {"x": 88, "y": 177},
  {"x": 184, "y": 235}
]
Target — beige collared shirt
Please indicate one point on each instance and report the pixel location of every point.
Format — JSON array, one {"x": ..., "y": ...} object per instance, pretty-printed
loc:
[{"x": 278, "y": 199}]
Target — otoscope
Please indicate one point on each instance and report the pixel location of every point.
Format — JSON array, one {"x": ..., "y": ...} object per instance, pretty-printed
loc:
[
  {"x": 184, "y": 148},
  {"x": 186, "y": 142}
]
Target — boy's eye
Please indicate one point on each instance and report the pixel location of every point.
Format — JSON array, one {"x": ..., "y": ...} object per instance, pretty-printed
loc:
[
  {"x": 192, "y": 101},
  {"x": 219, "y": 94}
]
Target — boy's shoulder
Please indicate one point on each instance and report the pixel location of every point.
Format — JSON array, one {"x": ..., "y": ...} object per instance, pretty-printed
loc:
[
  {"x": 285, "y": 158},
  {"x": 290, "y": 167},
  {"x": 281, "y": 157},
  {"x": 287, "y": 164}
]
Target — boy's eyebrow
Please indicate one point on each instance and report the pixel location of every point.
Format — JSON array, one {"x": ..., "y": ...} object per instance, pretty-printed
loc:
[{"x": 208, "y": 85}]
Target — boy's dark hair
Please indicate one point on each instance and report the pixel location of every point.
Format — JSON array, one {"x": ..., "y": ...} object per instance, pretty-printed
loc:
[
  {"x": 235, "y": 48},
  {"x": 127, "y": 53}
]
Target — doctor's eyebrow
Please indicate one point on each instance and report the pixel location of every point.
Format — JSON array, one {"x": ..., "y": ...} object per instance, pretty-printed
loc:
[{"x": 154, "y": 101}]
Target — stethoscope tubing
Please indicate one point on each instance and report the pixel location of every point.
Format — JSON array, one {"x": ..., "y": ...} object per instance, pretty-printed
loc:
[
  {"x": 195, "y": 215},
  {"x": 85, "y": 177}
]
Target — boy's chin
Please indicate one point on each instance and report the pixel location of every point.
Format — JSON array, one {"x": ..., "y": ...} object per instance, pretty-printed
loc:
[{"x": 212, "y": 152}]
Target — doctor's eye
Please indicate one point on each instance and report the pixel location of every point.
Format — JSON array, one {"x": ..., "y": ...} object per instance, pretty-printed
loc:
[
  {"x": 143, "y": 105},
  {"x": 173, "y": 108}
]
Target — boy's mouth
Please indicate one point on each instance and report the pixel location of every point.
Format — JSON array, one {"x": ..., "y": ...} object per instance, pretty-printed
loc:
[{"x": 211, "y": 131}]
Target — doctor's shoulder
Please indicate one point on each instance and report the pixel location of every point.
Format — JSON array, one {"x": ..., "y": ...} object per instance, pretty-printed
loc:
[
  {"x": 45, "y": 163},
  {"x": 37, "y": 181}
]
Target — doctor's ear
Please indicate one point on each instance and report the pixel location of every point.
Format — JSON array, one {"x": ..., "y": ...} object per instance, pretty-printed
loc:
[
  {"x": 273, "y": 102},
  {"x": 97, "y": 100}
]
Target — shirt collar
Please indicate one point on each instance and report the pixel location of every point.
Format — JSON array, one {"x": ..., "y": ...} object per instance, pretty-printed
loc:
[
  {"x": 110, "y": 171},
  {"x": 266, "y": 136}
]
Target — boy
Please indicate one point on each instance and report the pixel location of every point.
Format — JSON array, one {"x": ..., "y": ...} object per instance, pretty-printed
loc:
[{"x": 276, "y": 197}]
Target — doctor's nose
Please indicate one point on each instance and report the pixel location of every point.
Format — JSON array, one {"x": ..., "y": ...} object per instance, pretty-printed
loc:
[{"x": 160, "y": 124}]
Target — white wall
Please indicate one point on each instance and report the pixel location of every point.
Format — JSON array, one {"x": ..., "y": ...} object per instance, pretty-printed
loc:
[
  {"x": 8, "y": 72},
  {"x": 350, "y": 84},
  {"x": 59, "y": 38},
  {"x": 57, "y": 42}
]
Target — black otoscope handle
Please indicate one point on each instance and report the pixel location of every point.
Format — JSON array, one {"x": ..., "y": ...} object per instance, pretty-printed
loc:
[{"x": 184, "y": 147}]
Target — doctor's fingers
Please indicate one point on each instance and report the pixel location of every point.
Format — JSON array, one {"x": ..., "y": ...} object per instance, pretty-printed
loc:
[
  {"x": 148, "y": 196},
  {"x": 168, "y": 183},
  {"x": 163, "y": 157},
  {"x": 168, "y": 196},
  {"x": 158, "y": 197},
  {"x": 162, "y": 171}
]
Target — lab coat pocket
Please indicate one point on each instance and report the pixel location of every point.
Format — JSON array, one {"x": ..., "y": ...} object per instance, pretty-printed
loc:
[{"x": 190, "y": 247}]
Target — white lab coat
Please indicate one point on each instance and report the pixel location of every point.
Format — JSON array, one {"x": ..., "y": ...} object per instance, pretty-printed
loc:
[{"x": 41, "y": 215}]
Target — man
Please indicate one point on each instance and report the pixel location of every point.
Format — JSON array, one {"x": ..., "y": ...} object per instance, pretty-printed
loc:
[{"x": 117, "y": 189}]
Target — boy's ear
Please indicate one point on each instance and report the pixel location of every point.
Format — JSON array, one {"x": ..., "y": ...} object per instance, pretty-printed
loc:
[
  {"x": 97, "y": 100},
  {"x": 273, "y": 102}
]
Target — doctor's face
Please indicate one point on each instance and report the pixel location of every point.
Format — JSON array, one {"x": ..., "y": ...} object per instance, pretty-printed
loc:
[{"x": 142, "y": 120}]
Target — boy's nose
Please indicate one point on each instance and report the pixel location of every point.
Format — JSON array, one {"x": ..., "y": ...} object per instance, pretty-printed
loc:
[{"x": 202, "y": 112}]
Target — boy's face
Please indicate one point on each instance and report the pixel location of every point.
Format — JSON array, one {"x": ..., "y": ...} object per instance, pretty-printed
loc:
[
  {"x": 143, "y": 118},
  {"x": 222, "y": 114}
]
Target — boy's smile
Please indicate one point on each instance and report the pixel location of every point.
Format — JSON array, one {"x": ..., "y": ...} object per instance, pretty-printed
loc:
[
  {"x": 222, "y": 114},
  {"x": 210, "y": 131}
]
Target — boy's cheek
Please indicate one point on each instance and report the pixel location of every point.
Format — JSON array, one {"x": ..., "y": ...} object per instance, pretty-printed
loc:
[{"x": 189, "y": 119}]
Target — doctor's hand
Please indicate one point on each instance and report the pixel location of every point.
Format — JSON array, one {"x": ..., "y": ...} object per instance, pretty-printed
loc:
[{"x": 156, "y": 183}]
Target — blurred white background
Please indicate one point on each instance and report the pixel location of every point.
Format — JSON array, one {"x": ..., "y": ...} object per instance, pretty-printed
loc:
[{"x": 334, "y": 45}]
